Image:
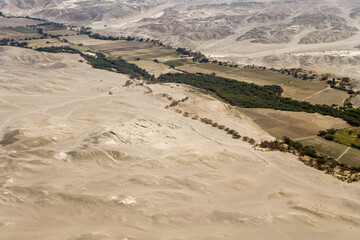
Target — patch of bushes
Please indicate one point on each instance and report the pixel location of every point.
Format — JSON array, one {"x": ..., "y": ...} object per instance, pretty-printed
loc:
[
  {"x": 318, "y": 161},
  {"x": 102, "y": 62}
]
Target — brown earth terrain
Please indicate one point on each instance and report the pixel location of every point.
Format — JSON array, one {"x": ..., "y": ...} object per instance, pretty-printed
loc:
[
  {"x": 78, "y": 163},
  {"x": 91, "y": 154}
]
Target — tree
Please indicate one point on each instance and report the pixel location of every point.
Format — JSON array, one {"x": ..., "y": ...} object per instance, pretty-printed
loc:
[
  {"x": 346, "y": 80},
  {"x": 329, "y": 137}
]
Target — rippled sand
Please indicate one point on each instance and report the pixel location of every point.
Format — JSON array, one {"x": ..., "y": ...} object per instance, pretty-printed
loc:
[{"x": 79, "y": 163}]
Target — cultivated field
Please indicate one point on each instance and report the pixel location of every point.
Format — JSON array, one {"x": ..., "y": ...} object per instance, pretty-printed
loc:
[
  {"x": 22, "y": 30},
  {"x": 351, "y": 157},
  {"x": 128, "y": 50},
  {"x": 58, "y": 29},
  {"x": 295, "y": 125},
  {"x": 85, "y": 40},
  {"x": 348, "y": 136},
  {"x": 48, "y": 42},
  {"x": 323, "y": 146},
  {"x": 149, "y": 54},
  {"x": 311, "y": 91},
  {"x": 15, "y": 22},
  {"x": 328, "y": 96},
  {"x": 154, "y": 68},
  {"x": 304, "y": 127},
  {"x": 18, "y": 33}
]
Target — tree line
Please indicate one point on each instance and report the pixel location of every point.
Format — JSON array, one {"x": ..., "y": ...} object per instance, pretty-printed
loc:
[
  {"x": 249, "y": 95},
  {"x": 236, "y": 93},
  {"x": 102, "y": 62}
]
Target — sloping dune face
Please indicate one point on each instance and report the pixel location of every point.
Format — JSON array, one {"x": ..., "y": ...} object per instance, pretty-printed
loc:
[{"x": 93, "y": 159}]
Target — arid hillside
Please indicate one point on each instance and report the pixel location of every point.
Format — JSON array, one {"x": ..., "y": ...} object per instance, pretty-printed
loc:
[
  {"x": 127, "y": 138},
  {"x": 86, "y": 154}
]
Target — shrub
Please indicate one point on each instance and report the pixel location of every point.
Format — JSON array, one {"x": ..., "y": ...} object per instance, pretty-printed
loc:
[
  {"x": 236, "y": 136},
  {"x": 231, "y": 131},
  {"x": 329, "y": 137},
  {"x": 206, "y": 120}
]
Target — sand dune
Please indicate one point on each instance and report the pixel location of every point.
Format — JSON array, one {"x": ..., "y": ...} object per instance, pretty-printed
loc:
[{"x": 78, "y": 164}]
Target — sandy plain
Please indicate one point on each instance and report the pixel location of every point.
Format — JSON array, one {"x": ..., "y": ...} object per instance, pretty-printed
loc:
[{"x": 80, "y": 163}]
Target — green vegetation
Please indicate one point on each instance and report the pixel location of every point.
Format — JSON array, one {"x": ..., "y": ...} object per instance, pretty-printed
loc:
[
  {"x": 120, "y": 65},
  {"x": 22, "y": 30},
  {"x": 249, "y": 95},
  {"x": 303, "y": 150},
  {"x": 196, "y": 56},
  {"x": 102, "y": 62},
  {"x": 293, "y": 87},
  {"x": 12, "y": 42},
  {"x": 319, "y": 161},
  {"x": 148, "y": 54},
  {"x": 59, "y": 50},
  {"x": 328, "y": 148},
  {"x": 236, "y": 93},
  {"x": 176, "y": 63},
  {"x": 349, "y": 137}
]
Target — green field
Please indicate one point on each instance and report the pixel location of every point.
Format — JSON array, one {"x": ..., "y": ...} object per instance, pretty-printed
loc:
[
  {"x": 325, "y": 147},
  {"x": 178, "y": 63},
  {"x": 22, "y": 30},
  {"x": 147, "y": 54},
  {"x": 334, "y": 150},
  {"x": 348, "y": 137}
]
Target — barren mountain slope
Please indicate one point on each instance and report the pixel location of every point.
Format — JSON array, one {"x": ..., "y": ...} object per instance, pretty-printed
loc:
[
  {"x": 307, "y": 34},
  {"x": 80, "y": 163},
  {"x": 77, "y": 11}
]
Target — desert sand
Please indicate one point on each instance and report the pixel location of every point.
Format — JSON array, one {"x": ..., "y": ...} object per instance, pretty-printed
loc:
[{"x": 84, "y": 157}]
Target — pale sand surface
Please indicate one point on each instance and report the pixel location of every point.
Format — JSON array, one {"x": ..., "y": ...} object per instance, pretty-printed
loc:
[{"x": 78, "y": 163}]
